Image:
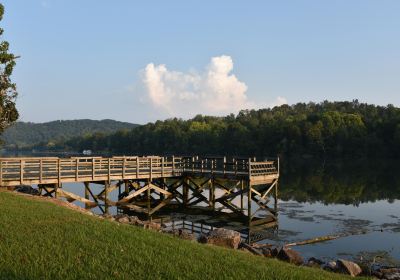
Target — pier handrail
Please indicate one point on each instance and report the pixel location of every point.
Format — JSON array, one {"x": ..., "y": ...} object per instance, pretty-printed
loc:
[{"x": 48, "y": 170}]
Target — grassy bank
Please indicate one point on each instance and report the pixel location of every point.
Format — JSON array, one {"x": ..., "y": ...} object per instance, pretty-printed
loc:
[{"x": 41, "y": 240}]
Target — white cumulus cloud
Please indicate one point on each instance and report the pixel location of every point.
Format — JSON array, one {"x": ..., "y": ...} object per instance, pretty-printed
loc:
[{"x": 215, "y": 91}]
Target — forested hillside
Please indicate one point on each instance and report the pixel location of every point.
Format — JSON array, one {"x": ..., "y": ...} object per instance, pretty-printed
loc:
[
  {"x": 26, "y": 134},
  {"x": 334, "y": 129}
]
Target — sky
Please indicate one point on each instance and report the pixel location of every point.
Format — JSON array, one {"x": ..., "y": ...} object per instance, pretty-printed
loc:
[{"x": 139, "y": 61}]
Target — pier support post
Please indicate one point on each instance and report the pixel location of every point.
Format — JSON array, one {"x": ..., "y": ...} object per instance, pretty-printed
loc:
[
  {"x": 276, "y": 197},
  {"x": 249, "y": 198},
  {"x": 241, "y": 195},
  {"x": 185, "y": 192},
  {"x": 212, "y": 194},
  {"x": 162, "y": 195},
  {"x": 56, "y": 186},
  {"x": 106, "y": 185},
  {"x": 126, "y": 185},
  {"x": 87, "y": 194},
  {"x": 148, "y": 200}
]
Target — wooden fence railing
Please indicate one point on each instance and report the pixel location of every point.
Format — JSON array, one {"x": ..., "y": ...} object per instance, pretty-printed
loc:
[{"x": 47, "y": 170}]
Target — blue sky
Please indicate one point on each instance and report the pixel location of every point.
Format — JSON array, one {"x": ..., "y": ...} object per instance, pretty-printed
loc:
[{"x": 139, "y": 61}]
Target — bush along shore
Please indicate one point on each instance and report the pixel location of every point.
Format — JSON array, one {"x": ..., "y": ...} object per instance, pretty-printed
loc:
[{"x": 71, "y": 228}]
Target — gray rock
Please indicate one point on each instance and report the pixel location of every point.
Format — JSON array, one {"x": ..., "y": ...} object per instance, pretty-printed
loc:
[
  {"x": 275, "y": 252},
  {"x": 390, "y": 273},
  {"x": 290, "y": 255},
  {"x": 267, "y": 252},
  {"x": 377, "y": 274},
  {"x": 330, "y": 266},
  {"x": 313, "y": 262},
  {"x": 224, "y": 237},
  {"x": 151, "y": 225},
  {"x": 186, "y": 235},
  {"x": 202, "y": 238},
  {"x": 134, "y": 219},
  {"x": 26, "y": 189},
  {"x": 108, "y": 217},
  {"x": 181, "y": 233},
  {"x": 349, "y": 267},
  {"x": 123, "y": 220},
  {"x": 392, "y": 276}
]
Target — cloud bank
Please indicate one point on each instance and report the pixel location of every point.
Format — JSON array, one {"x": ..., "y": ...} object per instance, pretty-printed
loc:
[{"x": 215, "y": 91}]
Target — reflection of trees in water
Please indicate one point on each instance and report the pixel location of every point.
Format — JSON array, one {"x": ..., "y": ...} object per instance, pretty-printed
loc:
[{"x": 347, "y": 182}]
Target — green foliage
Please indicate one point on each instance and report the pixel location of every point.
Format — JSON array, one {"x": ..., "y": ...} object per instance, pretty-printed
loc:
[
  {"x": 51, "y": 135},
  {"x": 8, "y": 90},
  {"x": 328, "y": 129},
  {"x": 40, "y": 240}
]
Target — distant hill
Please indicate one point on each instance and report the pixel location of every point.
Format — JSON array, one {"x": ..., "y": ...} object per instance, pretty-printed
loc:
[{"x": 27, "y": 134}]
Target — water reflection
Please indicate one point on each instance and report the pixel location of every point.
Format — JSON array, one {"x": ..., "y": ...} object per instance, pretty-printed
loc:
[{"x": 345, "y": 182}]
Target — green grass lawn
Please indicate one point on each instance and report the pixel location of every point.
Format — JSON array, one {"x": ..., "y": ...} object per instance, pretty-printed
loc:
[{"x": 41, "y": 240}]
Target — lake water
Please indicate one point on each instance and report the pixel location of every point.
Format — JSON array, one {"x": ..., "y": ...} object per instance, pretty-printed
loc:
[
  {"x": 356, "y": 199},
  {"x": 359, "y": 200}
]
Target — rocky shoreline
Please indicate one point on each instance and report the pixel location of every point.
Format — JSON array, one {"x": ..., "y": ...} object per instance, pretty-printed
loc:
[{"x": 232, "y": 239}]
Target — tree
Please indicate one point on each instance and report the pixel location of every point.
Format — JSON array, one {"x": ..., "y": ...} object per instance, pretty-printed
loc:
[{"x": 8, "y": 90}]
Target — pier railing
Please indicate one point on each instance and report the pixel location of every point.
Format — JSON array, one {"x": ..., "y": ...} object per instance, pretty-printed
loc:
[{"x": 50, "y": 170}]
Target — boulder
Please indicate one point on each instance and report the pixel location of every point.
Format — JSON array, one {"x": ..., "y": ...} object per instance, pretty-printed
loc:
[
  {"x": 151, "y": 225},
  {"x": 290, "y": 255},
  {"x": 138, "y": 222},
  {"x": 181, "y": 233},
  {"x": 108, "y": 217},
  {"x": 275, "y": 252},
  {"x": 377, "y": 274},
  {"x": 134, "y": 220},
  {"x": 185, "y": 235},
  {"x": 392, "y": 276},
  {"x": 313, "y": 262},
  {"x": 390, "y": 273},
  {"x": 330, "y": 266},
  {"x": 224, "y": 237},
  {"x": 26, "y": 189},
  {"x": 348, "y": 267},
  {"x": 202, "y": 239},
  {"x": 267, "y": 252},
  {"x": 123, "y": 219}
]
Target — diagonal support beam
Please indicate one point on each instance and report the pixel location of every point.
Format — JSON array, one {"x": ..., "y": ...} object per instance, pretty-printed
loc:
[
  {"x": 231, "y": 206},
  {"x": 269, "y": 189},
  {"x": 72, "y": 196},
  {"x": 132, "y": 195},
  {"x": 154, "y": 187},
  {"x": 231, "y": 195},
  {"x": 197, "y": 193},
  {"x": 161, "y": 204}
]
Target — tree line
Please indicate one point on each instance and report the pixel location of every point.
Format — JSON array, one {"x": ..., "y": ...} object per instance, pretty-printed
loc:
[
  {"x": 327, "y": 129},
  {"x": 25, "y": 135}
]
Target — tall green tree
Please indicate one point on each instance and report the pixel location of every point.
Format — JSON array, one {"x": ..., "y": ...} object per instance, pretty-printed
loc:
[{"x": 8, "y": 89}]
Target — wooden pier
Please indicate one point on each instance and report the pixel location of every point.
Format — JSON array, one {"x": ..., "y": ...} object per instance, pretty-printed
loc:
[{"x": 151, "y": 183}]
